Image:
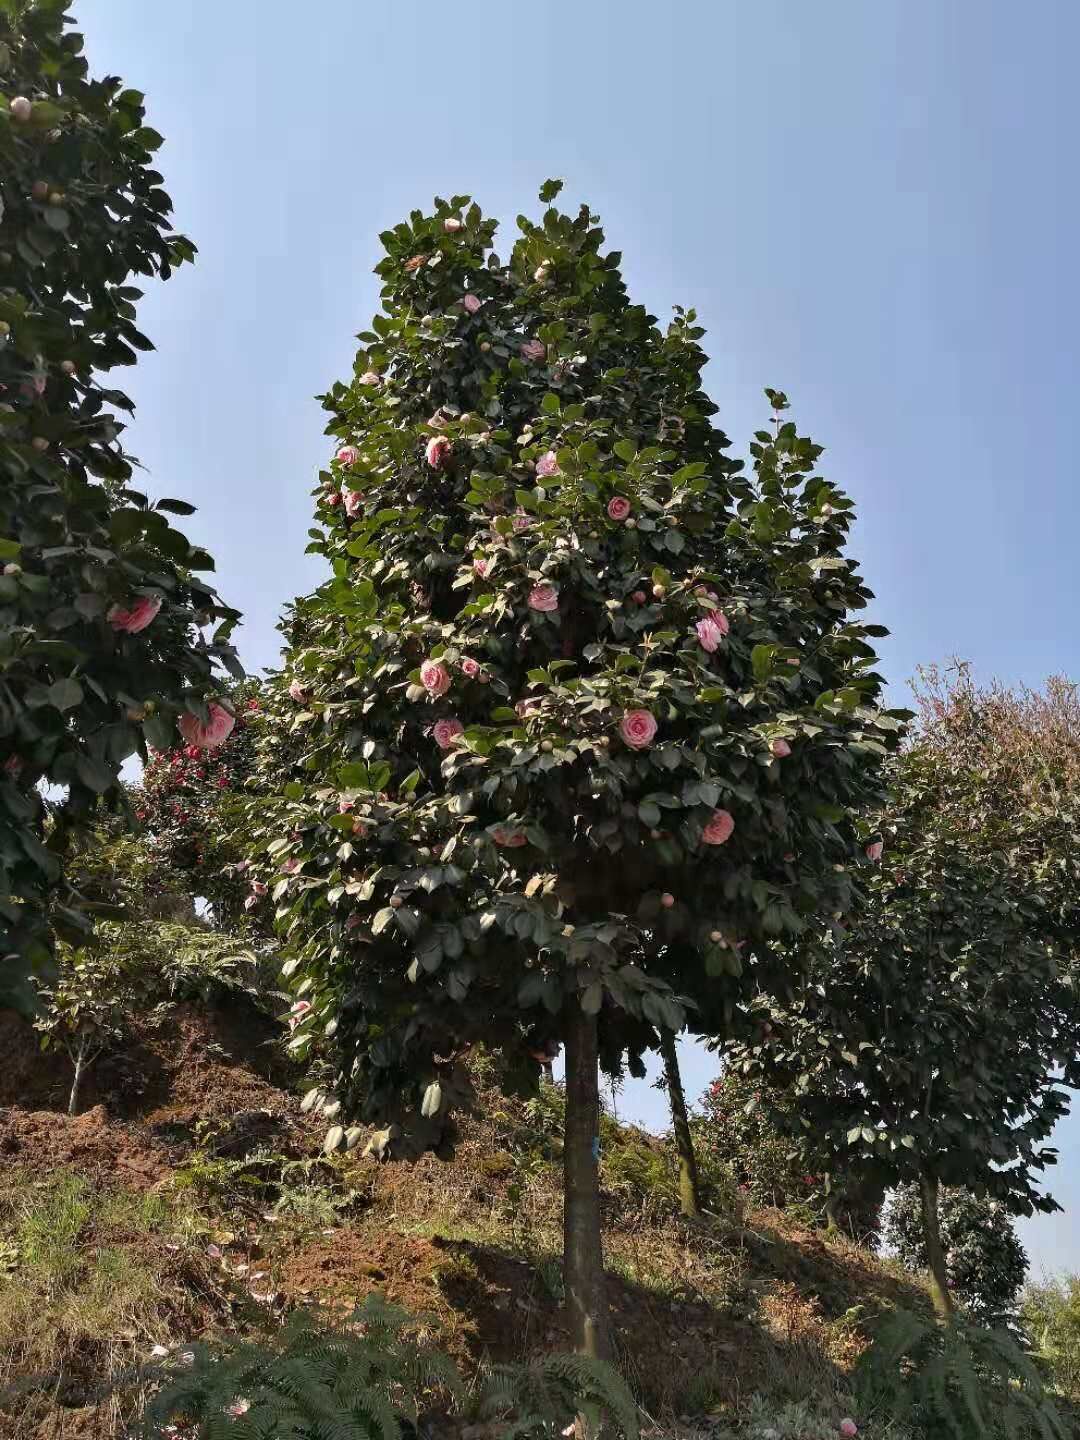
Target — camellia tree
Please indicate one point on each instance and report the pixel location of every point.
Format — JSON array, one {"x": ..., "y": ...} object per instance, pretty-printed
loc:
[
  {"x": 100, "y": 607},
  {"x": 984, "y": 1258},
  {"x": 583, "y": 709},
  {"x": 928, "y": 1045}
]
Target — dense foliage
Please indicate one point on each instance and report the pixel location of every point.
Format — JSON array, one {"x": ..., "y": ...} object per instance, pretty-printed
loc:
[
  {"x": 576, "y": 685},
  {"x": 985, "y": 1260},
  {"x": 100, "y": 609},
  {"x": 191, "y": 807},
  {"x": 927, "y": 1039}
]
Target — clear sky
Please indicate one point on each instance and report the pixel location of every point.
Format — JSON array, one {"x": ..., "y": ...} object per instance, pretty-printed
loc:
[{"x": 872, "y": 206}]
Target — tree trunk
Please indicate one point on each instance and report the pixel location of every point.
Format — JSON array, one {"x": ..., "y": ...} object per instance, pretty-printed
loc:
[
  {"x": 79, "y": 1061},
  {"x": 939, "y": 1275},
  {"x": 689, "y": 1190},
  {"x": 583, "y": 1259}
]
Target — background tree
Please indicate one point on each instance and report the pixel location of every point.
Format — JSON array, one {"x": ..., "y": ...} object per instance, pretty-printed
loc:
[
  {"x": 926, "y": 1041},
  {"x": 100, "y": 607},
  {"x": 736, "y": 1126},
  {"x": 985, "y": 1261},
  {"x": 543, "y": 692},
  {"x": 153, "y": 952},
  {"x": 1051, "y": 1316},
  {"x": 192, "y": 809}
]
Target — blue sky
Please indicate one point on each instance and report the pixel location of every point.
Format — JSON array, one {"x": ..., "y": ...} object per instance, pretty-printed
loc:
[{"x": 871, "y": 206}]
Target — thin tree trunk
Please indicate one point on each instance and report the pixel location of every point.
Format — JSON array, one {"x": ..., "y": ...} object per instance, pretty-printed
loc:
[
  {"x": 689, "y": 1190},
  {"x": 583, "y": 1259},
  {"x": 79, "y": 1061},
  {"x": 935, "y": 1254},
  {"x": 549, "y": 1073}
]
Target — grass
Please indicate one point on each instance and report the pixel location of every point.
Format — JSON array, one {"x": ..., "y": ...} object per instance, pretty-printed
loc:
[{"x": 91, "y": 1282}]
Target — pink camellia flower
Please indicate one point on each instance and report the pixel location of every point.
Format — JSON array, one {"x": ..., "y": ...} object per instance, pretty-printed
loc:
[
  {"x": 413, "y": 263},
  {"x": 238, "y": 1408},
  {"x": 719, "y": 829},
  {"x": 548, "y": 464},
  {"x": 848, "y": 1427},
  {"x": 544, "y": 598},
  {"x": 875, "y": 850},
  {"x": 508, "y": 837},
  {"x": 471, "y": 303},
  {"x": 438, "y": 420},
  {"x": 639, "y": 597},
  {"x": 434, "y": 677},
  {"x": 525, "y": 708},
  {"x": 446, "y": 732},
  {"x": 534, "y": 351},
  {"x": 711, "y": 629},
  {"x": 334, "y": 497},
  {"x": 20, "y": 108},
  {"x": 291, "y": 866},
  {"x": 209, "y": 736},
  {"x": 522, "y": 520},
  {"x": 348, "y": 455},
  {"x": 705, "y": 592},
  {"x": 298, "y": 693},
  {"x": 354, "y": 503},
  {"x": 781, "y": 749},
  {"x": 132, "y": 618},
  {"x": 480, "y": 566},
  {"x": 437, "y": 452},
  {"x": 638, "y": 728},
  {"x": 667, "y": 900},
  {"x": 789, "y": 857},
  {"x": 470, "y": 667},
  {"x": 618, "y": 507},
  {"x": 794, "y": 660},
  {"x": 451, "y": 224},
  {"x": 370, "y": 377},
  {"x": 344, "y": 805},
  {"x": 297, "y": 1010}
]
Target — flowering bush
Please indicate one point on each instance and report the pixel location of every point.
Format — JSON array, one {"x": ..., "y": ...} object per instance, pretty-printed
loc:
[{"x": 191, "y": 810}]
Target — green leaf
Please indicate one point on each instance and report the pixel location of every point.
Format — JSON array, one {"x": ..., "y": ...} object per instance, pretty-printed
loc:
[
  {"x": 66, "y": 694},
  {"x": 94, "y": 774},
  {"x": 649, "y": 814},
  {"x": 551, "y": 404},
  {"x": 625, "y": 450},
  {"x": 592, "y": 997}
]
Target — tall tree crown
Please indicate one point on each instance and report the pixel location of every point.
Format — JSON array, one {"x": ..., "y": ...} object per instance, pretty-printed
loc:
[{"x": 583, "y": 704}]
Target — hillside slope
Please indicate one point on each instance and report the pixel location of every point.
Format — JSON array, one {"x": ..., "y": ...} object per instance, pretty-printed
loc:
[{"x": 191, "y": 1198}]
